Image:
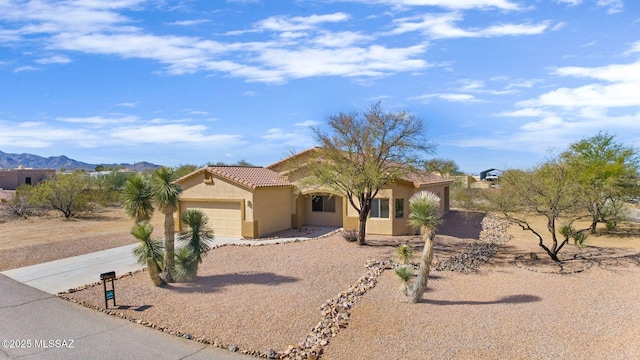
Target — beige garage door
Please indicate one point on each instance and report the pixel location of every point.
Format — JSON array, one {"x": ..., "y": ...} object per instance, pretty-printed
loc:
[{"x": 224, "y": 217}]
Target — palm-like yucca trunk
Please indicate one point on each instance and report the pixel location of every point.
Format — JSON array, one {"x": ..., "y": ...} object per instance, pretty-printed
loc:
[
  {"x": 166, "y": 194},
  {"x": 154, "y": 272},
  {"x": 420, "y": 285},
  {"x": 169, "y": 246},
  {"x": 148, "y": 251},
  {"x": 424, "y": 215}
]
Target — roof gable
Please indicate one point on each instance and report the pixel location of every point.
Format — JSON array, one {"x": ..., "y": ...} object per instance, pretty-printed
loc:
[
  {"x": 251, "y": 177},
  {"x": 416, "y": 179}
]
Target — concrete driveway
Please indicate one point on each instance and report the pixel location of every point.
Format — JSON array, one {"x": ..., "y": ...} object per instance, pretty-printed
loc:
[{"x": 61, "y": 275}]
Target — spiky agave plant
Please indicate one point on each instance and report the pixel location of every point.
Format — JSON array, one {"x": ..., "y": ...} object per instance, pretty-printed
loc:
[{"x": 149, "y": 251}]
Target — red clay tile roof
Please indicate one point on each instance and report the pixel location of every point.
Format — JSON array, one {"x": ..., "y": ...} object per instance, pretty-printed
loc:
[
  {"x": 253, "y": 177},
  {"x": 420, "y": 179}
]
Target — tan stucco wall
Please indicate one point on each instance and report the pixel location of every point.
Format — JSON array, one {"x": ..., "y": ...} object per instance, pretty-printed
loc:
[
  {"x": 271, "y": 209},
  {"x": 194, "y": 188},
  {"x": 393, "y": 225},
  {"x": 323, "y": 218},
  {"x": 11, "y": 179}
]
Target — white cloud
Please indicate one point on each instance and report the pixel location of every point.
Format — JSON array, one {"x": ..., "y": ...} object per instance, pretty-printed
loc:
[
  {"x": 99, "y": 120},
  {"x": 24, "y": 68},
  {"x": 635, "y": 48},
  {"x": 40, "y": 135},
  {"x": 58, "y": 59},
  {"x": 617, "y": 86},
  {"x": 615, "y": 6},
  {"x": 464, "y": 98},
  {"x": 340, "y": 39},
  {"x": 298, "y": 138},
  {"x": 299, "y": 23},
  {"x": 442, "y": 26},
  {"x": 277, "y": 134},
  {"x": 131, "y": 104},
  {"x": 570, "y": 2},
  {"x": 308, "y": 123},
  {"x": 526, "y": 112},
  {"x": 450, "y": 4},
  {"x": 170, "y": 134},
  {"x": 190, "y": 22}
]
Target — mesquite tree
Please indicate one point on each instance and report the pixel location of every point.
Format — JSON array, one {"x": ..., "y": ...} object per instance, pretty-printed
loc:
[{"x": 364, "y": 152}]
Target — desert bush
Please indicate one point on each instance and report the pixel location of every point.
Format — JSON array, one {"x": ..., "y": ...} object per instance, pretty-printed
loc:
[
  {"x": 19, "y": 204},
  {"x": 350, "y": 235}
]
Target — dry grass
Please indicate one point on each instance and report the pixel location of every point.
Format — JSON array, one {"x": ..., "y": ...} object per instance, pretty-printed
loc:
[{"x": 39, "y": 239}]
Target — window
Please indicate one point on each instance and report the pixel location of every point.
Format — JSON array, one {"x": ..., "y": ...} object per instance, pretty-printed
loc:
[
  {"x": 27, "y": 180},
  {"x": 380, "y": 208},
  {"x": 399, "y": 208},
  {"x": 323, "y": 203}
]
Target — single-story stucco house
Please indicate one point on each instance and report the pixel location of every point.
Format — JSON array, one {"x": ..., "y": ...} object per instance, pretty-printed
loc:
[
  {"x": 254, "y": 202},
  {"x": 10, "y": 179}
]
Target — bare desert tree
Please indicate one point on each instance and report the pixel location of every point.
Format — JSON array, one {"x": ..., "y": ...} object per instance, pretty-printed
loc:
[
  {"x": 363, "y": 152},
  {"x": 550, "y": 190}
]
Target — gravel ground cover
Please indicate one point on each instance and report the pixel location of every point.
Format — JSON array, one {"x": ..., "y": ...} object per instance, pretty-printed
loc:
[
  {"x": 257, "y": 298},
  {"x": 500, "y": 312}
]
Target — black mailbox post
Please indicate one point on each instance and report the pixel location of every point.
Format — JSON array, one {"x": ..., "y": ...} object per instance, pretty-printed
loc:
[{"x": 108, "y": 294}]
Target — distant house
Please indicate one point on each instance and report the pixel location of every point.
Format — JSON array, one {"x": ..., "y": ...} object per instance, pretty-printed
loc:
[
  {"x": 255, "y": 201},
  {"x": 10, "y": 179}
]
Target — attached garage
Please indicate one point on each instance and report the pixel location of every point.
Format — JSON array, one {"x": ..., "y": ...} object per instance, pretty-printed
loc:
[
  {"x": 225, "y": 218},
  {"x": 240, "y": 201}
]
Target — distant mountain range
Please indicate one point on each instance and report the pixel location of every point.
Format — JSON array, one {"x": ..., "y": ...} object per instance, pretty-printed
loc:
[{"x": 12, "y": 161}]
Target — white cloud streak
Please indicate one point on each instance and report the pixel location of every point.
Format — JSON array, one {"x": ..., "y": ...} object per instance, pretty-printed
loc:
[
  {"x": 299, "y": 47},
  {"x": 442, "y": 26}
]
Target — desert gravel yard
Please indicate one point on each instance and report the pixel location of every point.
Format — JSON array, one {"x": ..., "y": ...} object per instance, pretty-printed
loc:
[{"x": 269, "y": 297}]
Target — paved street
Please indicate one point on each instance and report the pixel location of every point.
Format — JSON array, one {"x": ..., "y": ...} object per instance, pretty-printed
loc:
[{"x": 61, "y": 275}]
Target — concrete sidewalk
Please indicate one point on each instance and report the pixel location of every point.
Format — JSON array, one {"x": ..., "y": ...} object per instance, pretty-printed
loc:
[
  {"x": 61, "y": 275},
  {"x": 36, "y": 325}
]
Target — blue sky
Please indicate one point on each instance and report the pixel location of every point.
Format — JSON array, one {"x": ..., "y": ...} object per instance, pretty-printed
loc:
[{"x": 499, "y": 83}]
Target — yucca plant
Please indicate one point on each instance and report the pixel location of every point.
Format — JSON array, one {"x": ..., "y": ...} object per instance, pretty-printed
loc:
[
  {"x": 405, "y": 273},
  {"x": 425, "y": 215},
  {"x": 404, "y": 253},
  {"x": 568, "y": 231},
  {"x": 149, "y": 251},
  {"x": 185, "y": 266},
  {"x": 196, "y": 237}
]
